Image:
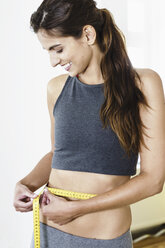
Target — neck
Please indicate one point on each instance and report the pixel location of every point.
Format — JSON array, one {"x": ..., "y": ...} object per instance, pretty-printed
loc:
[{"x": 92, "y": 74}]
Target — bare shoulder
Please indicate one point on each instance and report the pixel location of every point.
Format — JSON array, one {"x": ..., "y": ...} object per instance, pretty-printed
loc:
[
  {"x": 152, "y": 159},
  {"x": 152, "y": 87},
  {"x": 57, "y": 82},
  {"x": 151, "y": 83},
  {"x": 55, "y": 86}
]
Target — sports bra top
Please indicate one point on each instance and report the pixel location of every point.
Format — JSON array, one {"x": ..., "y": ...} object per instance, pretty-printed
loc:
[{"x": 81, "y": 143}]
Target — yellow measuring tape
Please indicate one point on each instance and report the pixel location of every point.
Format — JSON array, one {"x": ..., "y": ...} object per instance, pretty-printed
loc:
[{"x": 60, "y": 192}]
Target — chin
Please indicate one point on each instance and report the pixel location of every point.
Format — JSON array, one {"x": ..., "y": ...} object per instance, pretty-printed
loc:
[{"x": 72, "y": 74}]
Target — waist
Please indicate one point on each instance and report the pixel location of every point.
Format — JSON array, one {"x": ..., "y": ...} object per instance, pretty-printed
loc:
[
  {"x": 85, "y": 182},
  {"x": 106, "y": 224},
  {"x": 69, "y": 194}
]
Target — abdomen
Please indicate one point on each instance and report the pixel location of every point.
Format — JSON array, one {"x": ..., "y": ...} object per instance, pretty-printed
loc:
[{"x": 105, "y": 224}]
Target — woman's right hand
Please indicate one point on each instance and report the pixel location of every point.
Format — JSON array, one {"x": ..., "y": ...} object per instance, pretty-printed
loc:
[{"x": 23, "y": 198}]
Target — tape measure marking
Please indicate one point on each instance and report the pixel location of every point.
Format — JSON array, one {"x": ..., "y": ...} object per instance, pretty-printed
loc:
[{"x": 60, "y": 192}]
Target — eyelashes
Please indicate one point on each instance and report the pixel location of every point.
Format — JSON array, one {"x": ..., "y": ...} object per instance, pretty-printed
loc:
[
  {"x": 60, "y": 51},
  {"x": 53, "y": 50}
]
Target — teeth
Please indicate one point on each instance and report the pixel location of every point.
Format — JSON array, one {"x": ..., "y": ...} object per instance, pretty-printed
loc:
[{"x": 68, "y": 64}]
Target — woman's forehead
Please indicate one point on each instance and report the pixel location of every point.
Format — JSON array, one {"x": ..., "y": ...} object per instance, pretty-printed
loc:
[
  {"x": 44, "y": 36},
  {"x": 47, "y": 40}
]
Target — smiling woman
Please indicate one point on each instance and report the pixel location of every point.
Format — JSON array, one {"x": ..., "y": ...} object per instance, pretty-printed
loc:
[
  {"x": 62, "y": 50},
  {"x": 103, "y": 114}
]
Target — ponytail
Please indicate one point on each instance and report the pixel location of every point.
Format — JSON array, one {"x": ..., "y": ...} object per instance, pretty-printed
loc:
[{"x": 122, "y": 96}]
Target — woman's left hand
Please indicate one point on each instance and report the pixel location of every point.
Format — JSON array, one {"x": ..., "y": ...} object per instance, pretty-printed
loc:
[{"x": 57, "y": 209}]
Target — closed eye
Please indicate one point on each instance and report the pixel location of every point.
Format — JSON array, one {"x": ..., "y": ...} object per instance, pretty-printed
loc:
[{"x": 60, "y": 51}]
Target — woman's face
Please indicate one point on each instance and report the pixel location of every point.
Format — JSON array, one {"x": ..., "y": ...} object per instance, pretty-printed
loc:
[{"x": 73, "y": 55}]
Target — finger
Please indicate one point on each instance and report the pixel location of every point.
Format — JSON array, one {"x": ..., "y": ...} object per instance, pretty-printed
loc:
[
  {"x": 29, "y": 209},
  {"x": 45, "y": 200},
  {"x": 31, "y": 194},
  {"x": 24, "y": 209},
  {"x": 40, "y": 199},
  {"x": 48, "y": 194},
  {"x": 21, "y": 204},
  {"x": 27, "y": 194},
  {"x": 25, "y": 199}
]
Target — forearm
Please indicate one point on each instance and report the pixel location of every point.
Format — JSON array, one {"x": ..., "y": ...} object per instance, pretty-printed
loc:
[
  {"x": 138, "y": 188},
  {"x": 40, "y": 174}
]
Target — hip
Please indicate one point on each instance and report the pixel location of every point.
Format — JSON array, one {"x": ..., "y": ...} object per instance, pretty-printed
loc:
[
  {"x": 52, "y": 237},
  {"x": 107, "y": 224}
]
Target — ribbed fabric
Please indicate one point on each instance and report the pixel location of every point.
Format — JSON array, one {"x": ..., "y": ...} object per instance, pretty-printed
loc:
[{"x": 81, "y": 143}]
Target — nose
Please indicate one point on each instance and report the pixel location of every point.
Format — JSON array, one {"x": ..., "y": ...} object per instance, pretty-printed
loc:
[{"x": 54, "y": 60}]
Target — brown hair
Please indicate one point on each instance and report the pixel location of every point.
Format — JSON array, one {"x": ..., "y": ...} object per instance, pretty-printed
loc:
[{"x": 123, "y": 97}]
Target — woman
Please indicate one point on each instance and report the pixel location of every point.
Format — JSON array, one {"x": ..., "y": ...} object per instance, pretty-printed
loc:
[{"x": 103, "y": 114}]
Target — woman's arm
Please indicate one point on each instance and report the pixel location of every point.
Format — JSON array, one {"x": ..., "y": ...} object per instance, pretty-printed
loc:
[
  {"x": 151, "y": 178},
  {"x": 39, "y": 176},
  {"x": 23, "y": 193},
  {"x": 41, "y": 172},
  {"x": 35, "y": 179}
]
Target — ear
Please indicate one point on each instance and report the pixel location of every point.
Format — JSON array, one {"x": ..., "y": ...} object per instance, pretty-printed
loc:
[{"x": 89, "y": 34}]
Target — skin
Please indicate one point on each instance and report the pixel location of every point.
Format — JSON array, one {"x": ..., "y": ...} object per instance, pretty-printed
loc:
[
  {"x": 107, "y": 215},
  {"x": 87, "y": 51}
]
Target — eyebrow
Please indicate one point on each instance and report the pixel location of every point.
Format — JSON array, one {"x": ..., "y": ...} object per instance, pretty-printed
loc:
[{"x": 50, "y": 48}]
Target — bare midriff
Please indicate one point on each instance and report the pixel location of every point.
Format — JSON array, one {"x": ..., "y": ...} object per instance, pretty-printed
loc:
[{"x": 107, "y": 224}]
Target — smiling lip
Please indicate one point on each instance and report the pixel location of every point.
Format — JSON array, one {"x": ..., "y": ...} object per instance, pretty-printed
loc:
[{"x": 68, "y": 67}]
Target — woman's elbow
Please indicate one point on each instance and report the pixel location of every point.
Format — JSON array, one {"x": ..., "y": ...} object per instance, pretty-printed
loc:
[
  {"x": 158, "y": 186},
  {"x": 153, "y": 183}
]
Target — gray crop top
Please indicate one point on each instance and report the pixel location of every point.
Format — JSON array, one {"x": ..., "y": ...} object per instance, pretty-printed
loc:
[{"x": 81, "y": 144}]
